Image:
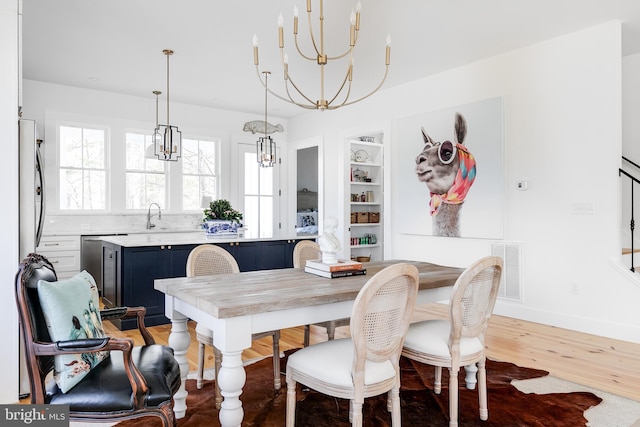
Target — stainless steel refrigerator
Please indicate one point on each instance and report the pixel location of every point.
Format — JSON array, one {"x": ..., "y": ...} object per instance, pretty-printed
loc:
[{"x": 32, "y": 208}]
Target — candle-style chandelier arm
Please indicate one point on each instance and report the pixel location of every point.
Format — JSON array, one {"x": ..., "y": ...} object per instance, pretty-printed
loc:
[
  {"x": 309, "y": 58},
  {"x": 320, "y": 52},
  {"x": 386, "y": 72},
  {"x": 287, "y": 99},
  {"x": 333, "y": 58},
  {"x": 347, "y": 77},
  {"x": 286, "y": 86},
  {"x": 295, "y": 37}
]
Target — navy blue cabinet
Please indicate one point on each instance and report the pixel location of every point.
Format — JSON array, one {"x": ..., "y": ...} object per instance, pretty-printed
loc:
[
  {"x": 128, "y": 273},
  {"x": 247, "y": 254},
  {"x": 277, "y": 254},
  {"x": 139, "y": 267}
]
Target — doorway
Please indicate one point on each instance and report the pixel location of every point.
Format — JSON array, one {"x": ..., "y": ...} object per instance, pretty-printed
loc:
[
  {"x": 259, "y": 189},
  {"x": 307, "y": 200}
]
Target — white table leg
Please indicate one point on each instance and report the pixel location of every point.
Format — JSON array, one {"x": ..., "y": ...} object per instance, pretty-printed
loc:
[
  {"x": 231, "y": 377},
  {"x": 179, "y": 340}
]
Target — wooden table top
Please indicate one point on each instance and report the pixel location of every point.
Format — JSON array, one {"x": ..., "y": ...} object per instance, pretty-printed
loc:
[{"x": 240, "y": 294}]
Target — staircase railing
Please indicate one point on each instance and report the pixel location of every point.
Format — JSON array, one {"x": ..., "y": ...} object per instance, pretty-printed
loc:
[{"x": 633, "y": 181}]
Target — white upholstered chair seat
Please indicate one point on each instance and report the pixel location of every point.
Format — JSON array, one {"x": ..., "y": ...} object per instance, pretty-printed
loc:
[
  {"x": 333, "y": 361},
  {"x": 432, "y": 337}
]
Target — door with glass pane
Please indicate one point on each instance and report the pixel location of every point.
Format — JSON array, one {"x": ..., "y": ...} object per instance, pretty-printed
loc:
[{"x": 259, "y": 191}]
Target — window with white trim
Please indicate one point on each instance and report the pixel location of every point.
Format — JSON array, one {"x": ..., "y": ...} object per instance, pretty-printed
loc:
[
  {"x": 83, "y": 172},
  {"x": 145, "y": 176},
  {"x": 199, "y": 172}
]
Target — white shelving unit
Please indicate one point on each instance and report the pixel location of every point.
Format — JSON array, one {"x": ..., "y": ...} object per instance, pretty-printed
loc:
[{"x": 365, "y": 195}]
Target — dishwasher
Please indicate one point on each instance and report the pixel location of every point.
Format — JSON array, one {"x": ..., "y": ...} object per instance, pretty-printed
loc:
[{"x": 91, "y": 257}]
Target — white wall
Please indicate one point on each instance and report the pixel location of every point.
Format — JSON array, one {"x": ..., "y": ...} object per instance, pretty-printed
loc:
[
  {"x": 631, "y": 107},
  {"x": 630, "y": 148},
  {"x": 9, "y": 213},
  {"x": 562, "y": 119}
]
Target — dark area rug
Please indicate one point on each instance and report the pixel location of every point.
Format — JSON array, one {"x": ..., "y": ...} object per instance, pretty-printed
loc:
[{"x": 420, "y": 406}]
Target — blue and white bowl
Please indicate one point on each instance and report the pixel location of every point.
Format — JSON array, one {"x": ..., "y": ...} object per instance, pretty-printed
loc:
[{"x": 219, "y": 227}]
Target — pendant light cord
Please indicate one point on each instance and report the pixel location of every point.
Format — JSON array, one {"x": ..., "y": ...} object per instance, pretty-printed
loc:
[
  {"x": 266, "y": 76},
  {"x": 168, "y": 52}
]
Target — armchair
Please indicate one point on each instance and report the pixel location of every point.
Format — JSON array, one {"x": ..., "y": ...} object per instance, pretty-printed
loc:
[{"x": 128, "y": 382}]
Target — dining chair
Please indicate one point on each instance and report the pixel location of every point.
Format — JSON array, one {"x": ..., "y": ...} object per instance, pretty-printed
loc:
[
  {"x": 204, "y": 260},
  {"x": 70, "y": 361},
  {"x": 309, "y": 250},
  {"x": 367, "y": 363},
  {"x": 459, "y": 340}
]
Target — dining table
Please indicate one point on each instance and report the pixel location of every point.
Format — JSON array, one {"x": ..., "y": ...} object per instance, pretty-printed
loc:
[{"x": 235, "y": 306}]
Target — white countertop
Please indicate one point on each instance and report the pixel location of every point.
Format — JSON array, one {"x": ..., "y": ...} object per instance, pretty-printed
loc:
[
  {"x": 186, "y": 238},
  {"x": 120, "y": 231}
]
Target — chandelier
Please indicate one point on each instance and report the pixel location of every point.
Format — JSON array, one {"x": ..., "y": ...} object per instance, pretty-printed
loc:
[
  {"x": 265, "y": 146},
  {"x": 294, "y": 94},
  {"x": 167, "y": 139}
]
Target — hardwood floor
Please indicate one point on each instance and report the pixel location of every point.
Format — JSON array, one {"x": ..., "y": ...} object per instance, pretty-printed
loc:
[{"x": 603, "y": 363}]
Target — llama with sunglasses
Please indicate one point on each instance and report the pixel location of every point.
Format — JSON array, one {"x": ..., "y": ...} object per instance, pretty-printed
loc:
[{"x": 449, "y": 170}]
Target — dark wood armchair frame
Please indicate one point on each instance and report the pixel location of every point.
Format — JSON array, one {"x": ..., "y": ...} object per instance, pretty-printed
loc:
[{"x": 40, "y": 350}]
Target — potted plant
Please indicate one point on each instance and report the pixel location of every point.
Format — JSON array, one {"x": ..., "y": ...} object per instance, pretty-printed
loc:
[{"x": 221, "y": 219}]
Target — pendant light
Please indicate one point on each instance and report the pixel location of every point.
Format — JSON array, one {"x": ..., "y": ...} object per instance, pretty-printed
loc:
[
  {"x": 167, "y": 139},
  {"x": 265, "y": 146}
]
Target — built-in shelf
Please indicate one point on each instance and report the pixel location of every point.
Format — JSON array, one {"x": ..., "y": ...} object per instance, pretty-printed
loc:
[{"x": 365, "y": 177}]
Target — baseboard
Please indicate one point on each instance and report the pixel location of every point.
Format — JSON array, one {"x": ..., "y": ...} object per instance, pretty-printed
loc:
[{"x": 600, "y": 327}]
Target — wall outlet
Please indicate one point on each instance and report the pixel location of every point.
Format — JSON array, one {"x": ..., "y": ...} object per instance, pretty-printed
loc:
[
  {"x": 85, "y": 226},
  {"x": 522, "y": 185}
]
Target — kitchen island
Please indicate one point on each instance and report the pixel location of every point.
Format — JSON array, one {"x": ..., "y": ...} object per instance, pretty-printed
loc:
[{"x": 131, "y": 263}]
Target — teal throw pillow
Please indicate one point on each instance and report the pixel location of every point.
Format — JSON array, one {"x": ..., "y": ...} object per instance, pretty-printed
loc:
[{"x": 71, "y": 310}]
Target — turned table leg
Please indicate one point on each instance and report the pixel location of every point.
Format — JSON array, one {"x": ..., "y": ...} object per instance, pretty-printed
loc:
[
  {"x": 231, "y": 377},
  {"x": 471, "y": 376},
  {"x": 179, "y": 339}
]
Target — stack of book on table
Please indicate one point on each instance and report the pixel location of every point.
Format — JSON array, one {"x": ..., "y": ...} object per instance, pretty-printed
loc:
[{"x": 343, "y": 268}]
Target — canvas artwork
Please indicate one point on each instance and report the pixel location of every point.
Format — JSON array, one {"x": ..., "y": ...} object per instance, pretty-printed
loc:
[{"x": 450, "y": 171}]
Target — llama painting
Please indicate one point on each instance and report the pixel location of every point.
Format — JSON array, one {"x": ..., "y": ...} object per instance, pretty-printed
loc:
[
  {"x": 448, "y": 173},
  {"x": 448, "y": 169}
]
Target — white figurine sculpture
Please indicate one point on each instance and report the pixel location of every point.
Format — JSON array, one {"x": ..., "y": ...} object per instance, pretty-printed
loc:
[{"x": 329, "y": 244}]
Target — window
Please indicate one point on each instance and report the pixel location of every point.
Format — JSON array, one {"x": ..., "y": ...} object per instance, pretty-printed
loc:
[
  {"x": 145, "y": 177},
  {"x": 199, "y": 172},
  {"x": 82, "y": 168},
  {"x": 104, "y": 166}
]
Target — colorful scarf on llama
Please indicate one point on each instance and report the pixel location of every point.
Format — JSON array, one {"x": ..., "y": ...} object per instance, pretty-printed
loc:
[{"x": 461, "y": 185}]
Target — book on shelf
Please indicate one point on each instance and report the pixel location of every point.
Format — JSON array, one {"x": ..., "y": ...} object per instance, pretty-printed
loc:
[
  {"x": 335, "y": 274},
  {"x": 341, "y": 265}
]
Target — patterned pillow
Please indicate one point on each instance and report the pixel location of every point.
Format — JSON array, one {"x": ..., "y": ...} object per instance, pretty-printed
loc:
[{"x": 71, "y": 310}]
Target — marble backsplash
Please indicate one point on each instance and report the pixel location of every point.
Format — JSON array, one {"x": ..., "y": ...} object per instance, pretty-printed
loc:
[{"x": 97, "y": 224}]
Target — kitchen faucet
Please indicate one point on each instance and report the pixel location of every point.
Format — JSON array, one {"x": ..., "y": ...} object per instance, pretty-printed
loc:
[{"x": 149, "y": 224}]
